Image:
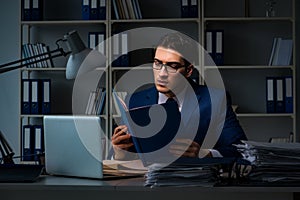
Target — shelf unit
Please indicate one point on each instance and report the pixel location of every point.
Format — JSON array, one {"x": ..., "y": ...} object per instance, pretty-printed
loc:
[{"x": 248, "y": 37}]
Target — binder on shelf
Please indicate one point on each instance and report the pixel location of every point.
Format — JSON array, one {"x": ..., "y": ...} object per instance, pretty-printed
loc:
[
  {"x": 279, "y": 101},
  {"x": 27, "y": 143},
  {"x": 85, "y": 9},
  {"x": 101, "y": 42},
  {"x": 34, "y": 86},
  {"x": 26, "y": 10},
  {"x": 102, "y": 10},
  {"x": 37, "y": 10},
  {"x": 270, "y": 94},
  {"x": 193, "y": 9},
  {"x": 26, "y": 96},
  {"x": 45, "y": 96},
  {"x": 94, "y": 10},
  {"x": 219, "y": 47},
  {"x": 288, "y": 82},
  {"x": 95, "y": 41},
  {"x": 92, "y": 40},
  {"x": 124, "y": 59},
  {"x": 215, "y": 45},
  {"x": 116, "y": 50},
  {"x": 209, "y": 43},
  {"x": 184, "y": 8},
  {"x": 38, "y": 141}
]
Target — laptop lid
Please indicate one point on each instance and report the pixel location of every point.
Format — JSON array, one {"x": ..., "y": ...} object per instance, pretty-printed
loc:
[{"x": 73, "y": 146}]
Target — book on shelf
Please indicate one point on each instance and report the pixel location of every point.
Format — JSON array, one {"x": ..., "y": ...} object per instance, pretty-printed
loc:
[
  {"x": 127, "y": 9},
  {"x": 281, "y": 53},
  {"x": 96, "y": 102},
  {"x": 40, "y": 50}
]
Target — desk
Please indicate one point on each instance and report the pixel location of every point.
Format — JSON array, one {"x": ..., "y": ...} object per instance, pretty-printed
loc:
[{"x": 55, "y": 188}]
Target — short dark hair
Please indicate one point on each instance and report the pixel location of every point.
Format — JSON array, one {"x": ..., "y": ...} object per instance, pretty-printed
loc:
[{"x": 181, "y": 43}]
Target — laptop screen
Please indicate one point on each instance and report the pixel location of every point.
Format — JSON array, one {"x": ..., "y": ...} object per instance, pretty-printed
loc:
[{"x": 73, "y": 146}]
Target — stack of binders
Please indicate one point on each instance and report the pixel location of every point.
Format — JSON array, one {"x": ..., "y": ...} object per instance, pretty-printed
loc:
[
  {"x": 93, "y": 9},
  {"x": 32, "y": 10},
  {"x": 214, "y": 45},
  {"x": 120, "y": 50},
  {"x": 279, "y": 94},
  {"x": 36, "y": 96},
  {"x": 32, "y": 142},
  {"x": 189, "y": 8}
]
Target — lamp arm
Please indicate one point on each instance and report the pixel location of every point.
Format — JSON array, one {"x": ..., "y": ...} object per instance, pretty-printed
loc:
[
  {"x": 6, "y": 151},
  {"x": 60, "y": 52}
]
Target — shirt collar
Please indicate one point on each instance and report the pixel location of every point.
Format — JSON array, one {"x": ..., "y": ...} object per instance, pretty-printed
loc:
[{"x": 162, "y": 98}]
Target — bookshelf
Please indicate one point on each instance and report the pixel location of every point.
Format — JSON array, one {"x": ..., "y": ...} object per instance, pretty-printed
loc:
[{"x": 248, "y": 38}]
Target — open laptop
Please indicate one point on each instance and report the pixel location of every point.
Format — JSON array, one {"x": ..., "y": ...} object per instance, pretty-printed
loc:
[{"x": 73, "y": 146}]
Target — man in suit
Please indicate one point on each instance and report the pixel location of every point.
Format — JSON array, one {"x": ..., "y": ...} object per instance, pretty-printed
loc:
[{"x": 210, "y": 125}]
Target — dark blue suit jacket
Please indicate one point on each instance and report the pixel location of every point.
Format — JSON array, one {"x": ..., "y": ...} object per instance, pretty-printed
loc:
[{"x": 220, "y": 124}]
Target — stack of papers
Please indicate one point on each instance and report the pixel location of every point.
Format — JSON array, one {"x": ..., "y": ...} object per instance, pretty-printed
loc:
[
  {"x": 277, "y": 163},
  {"x": 124, "y": 168},
  {"x": 204, "y": 173}
]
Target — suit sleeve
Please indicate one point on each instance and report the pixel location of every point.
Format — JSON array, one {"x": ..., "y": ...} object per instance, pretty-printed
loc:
[{"x": 232, "y": 133}]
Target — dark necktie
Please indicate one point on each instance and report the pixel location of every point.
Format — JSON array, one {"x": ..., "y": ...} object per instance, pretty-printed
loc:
[{"x": 172, "y": 100}]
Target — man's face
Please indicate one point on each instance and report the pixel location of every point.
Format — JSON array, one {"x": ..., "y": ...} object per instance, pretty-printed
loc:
[{"x": 166, "y": 81}]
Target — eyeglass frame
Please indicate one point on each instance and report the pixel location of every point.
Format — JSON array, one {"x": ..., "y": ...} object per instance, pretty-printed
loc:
[{"x": 168, "y": 66}]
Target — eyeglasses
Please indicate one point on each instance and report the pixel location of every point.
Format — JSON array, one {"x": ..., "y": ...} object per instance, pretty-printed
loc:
[{"x": 171, "y": 67}]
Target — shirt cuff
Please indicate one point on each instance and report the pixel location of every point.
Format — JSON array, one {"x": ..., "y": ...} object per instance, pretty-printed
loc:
[{"x": 215, "y": 153}]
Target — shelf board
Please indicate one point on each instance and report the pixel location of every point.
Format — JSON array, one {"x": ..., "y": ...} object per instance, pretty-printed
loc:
[
  {"x": 131, "y": 68},
  {"x": 63, "y": 22},
  {"x": 249, "y": 67},
  {"x": 265, "y": 115},
  {"x": 155, "y": 20},
  {"x": 77, "y": 22},
  {"x": 250, "y": 19},
  {"x": 44, "y": 69},
  {"x": 32, "y": 116},
  {"x": 41, "y": 115}
]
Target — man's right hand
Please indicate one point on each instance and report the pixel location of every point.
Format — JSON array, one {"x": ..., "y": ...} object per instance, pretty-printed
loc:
[{"x": 121, "y": 141}]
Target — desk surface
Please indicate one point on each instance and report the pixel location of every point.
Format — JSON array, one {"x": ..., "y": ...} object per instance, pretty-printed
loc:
[
  {"x": 129, "y": 184},
  {"x": 54, "y": 187}
]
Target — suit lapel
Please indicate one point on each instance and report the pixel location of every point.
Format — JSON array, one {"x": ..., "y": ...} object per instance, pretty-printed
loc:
[{"x": 190, "y": 106}]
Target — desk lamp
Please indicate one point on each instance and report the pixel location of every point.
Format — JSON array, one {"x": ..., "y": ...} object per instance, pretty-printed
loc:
[{"x": 78, "y": 52}]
